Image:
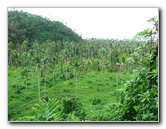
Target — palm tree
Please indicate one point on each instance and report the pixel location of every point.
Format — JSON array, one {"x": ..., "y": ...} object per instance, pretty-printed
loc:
[
  {"x": 122, "y": 63},
  {"x": 44, "y": 71},
  {"x": 25, "y": 74},
  {"x": 31, "y": 53},
  {"x": 119, "y": 76},
  {"x": 58, "y": 44},
  {"x": 36, "y": 47},
  {"x": 24, "y": 45},
  {"x": 53, "y": 63},
  {"x": 10, "y": 50},
  {"x": 76, "y": 67},
  {"x": 15, "y": 56},
  {"x": 24, "y": 59},
  {"x": 97, "y": 65},
  {"x": 66, "y": 62},
  {"x": 38, "y": 64},
  {"x": 61, "y": 60}
]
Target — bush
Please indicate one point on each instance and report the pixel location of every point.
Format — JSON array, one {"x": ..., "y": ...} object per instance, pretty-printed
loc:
[{"x": 72, "y": 106}]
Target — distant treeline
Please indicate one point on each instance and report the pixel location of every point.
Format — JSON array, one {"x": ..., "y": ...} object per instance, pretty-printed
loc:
[{"x": 24, "y": 26}]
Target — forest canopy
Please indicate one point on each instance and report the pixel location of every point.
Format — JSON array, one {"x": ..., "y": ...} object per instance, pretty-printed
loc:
[{"x": 24, "y": 26}]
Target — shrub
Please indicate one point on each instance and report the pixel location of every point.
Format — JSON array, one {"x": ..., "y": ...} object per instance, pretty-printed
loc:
[{"x": 72, "y": 109}]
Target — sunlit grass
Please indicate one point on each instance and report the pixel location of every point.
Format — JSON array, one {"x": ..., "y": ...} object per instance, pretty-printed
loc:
[{"x": 88, "y": 89}]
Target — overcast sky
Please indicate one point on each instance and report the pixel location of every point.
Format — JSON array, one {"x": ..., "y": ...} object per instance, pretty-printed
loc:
[{"x": 117, "y": 23}]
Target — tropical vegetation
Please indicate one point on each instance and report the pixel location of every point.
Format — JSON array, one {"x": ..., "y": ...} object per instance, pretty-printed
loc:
[{"x": 55, "y": 75}]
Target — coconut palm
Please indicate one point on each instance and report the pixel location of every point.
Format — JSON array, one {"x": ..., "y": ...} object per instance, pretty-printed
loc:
[
  {"x": 16, "y": 56},
  {"x": 24, "y": 59},
  {"x": 10, "y": 51},
  {"x": 25, "y": 74},
  {"x": 53, "y": 63},
  {"x": 98, "y": 69},
  {"x": 38, "y": 65},
  {"x": 44, "y": 72},
  {"x": 122, "y": 63},
  {"x": 24, "y": 46},
  {"x": 66, "y": 58},
  {"x": 30, "y": 56},
  {"x": 76, "y": 65}
]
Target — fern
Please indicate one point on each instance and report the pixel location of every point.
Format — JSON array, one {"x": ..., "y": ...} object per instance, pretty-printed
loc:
[{"x": 45, "y": 110}]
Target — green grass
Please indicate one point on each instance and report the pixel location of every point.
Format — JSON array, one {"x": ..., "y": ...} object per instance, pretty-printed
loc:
[{"x": 89, "y": 91}]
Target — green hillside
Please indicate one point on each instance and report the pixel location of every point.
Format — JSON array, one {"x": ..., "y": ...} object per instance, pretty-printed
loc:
[{"x": 24, "y": 26}]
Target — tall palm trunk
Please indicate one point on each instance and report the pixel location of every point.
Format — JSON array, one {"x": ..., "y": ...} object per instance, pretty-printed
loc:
[
  {"x": 53, "y": 77},
  {"x": 117, "y": 88},
  {"x": 66, "y": 76},
  {"x": 26, "y": 87},
  {"x": 98, "y": 80},
  {"x": 121, "y": 75},
  {"x": 39, "y": 83},
  {"x": 16, "y": 79},
  {"x": 45, "y": 81},
  {"x": 62, "y": 67},
  {"x": 76, "y": 84},
  {"x": 32, "y": 70}
]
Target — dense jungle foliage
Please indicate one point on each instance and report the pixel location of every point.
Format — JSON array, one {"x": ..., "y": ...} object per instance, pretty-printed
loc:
[{"x": 24, "y": 26}]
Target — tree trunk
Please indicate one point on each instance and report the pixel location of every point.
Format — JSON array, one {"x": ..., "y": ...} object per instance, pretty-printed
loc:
[
  {"x": 61, "y": 67},
  {"x": 32, "y": 78},
  {"x": 39, "y": 83},
  {"x": 16, "y": 78},
  {"x": 26, "y": 87},
  {"x": 45, "y": 85},
  {"x": 66, "y": 76},
  {"x": 99, "y": 80},
  {"x": 76, "y": 83},
  {"x": 117, "y": 88},
  {"x": 53, "y": 77}
]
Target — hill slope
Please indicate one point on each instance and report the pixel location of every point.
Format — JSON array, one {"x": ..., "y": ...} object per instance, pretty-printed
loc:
[{"x": 24, "y": 26}]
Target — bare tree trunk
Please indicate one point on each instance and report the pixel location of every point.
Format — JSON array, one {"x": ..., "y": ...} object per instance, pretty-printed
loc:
[
  {"x": 32, "y": 78},
  {"x": 99, "y": 80},
  {"x": 45, "y": 81},
  {"x": 53, "y": 76},
  {"x": 39, "y": 84},
  {"x": 10, "y": 62},
  {"x": 76, "y": 88},
  {"x": 117, "y": 93},
  {"x": 66, "y": 75},
  {"x": 16, "y": 78},
  {"x": 26, "y": 88}
]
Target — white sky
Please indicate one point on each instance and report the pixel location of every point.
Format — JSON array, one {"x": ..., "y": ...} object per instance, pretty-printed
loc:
[{"x": 117, "y": 23}]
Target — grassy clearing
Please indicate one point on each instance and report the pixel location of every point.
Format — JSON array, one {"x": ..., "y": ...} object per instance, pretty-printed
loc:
[{"x": 92, "y": 95}]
